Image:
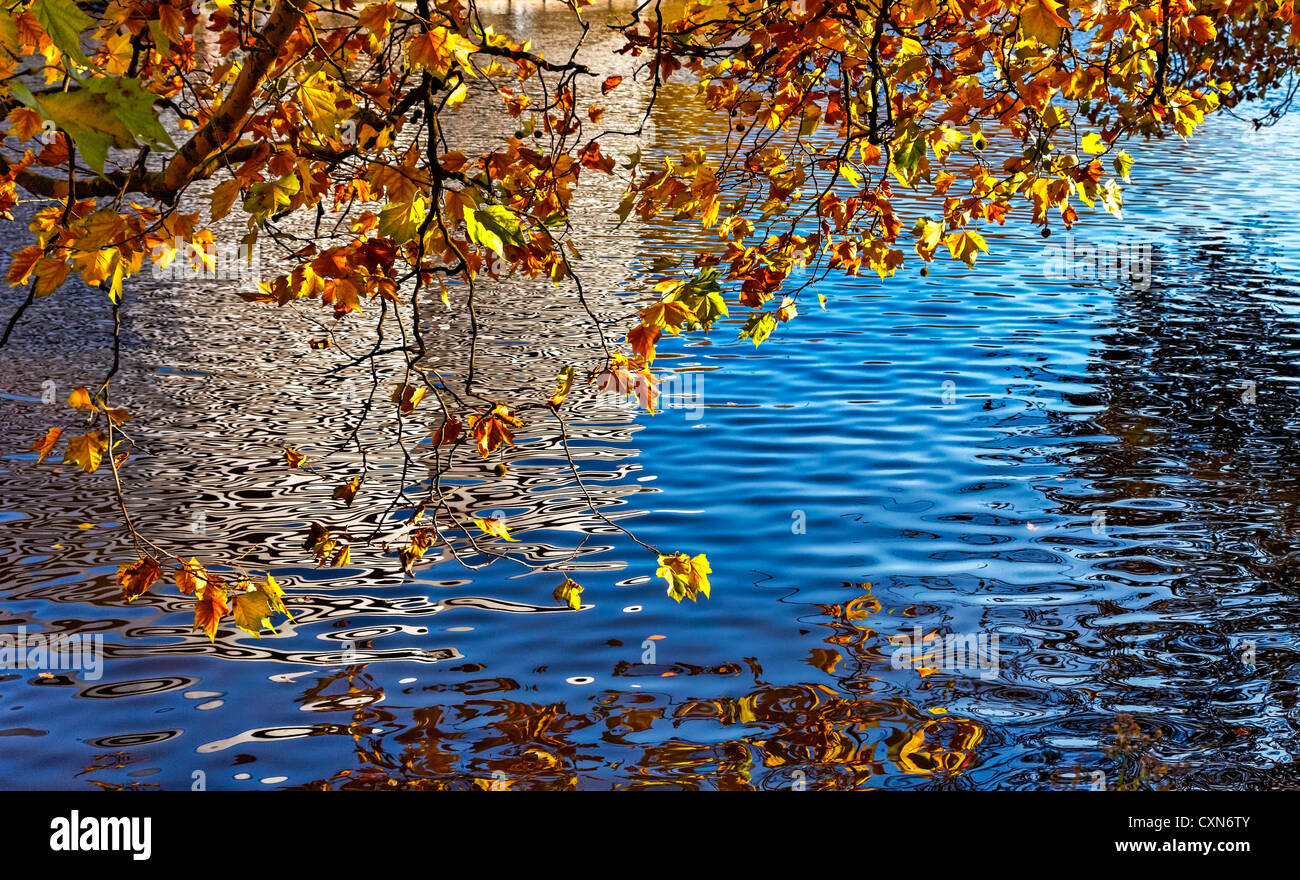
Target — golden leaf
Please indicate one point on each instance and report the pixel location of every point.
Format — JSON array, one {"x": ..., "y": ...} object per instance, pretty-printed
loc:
[
  {"x": 136, "y": 577},
  {"x": 46, "y": 443},
  {"x": 191, "y": 577},
  {"x": 86, "y": 451}
]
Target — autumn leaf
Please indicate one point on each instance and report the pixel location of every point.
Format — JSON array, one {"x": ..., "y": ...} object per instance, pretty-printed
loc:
[
  {"x": 421, "y": 541},
  {"x": 642, "y": 338},
  {"x": 348, "y": 491},
  {"x": 50, "y": 274},
  {"x": 407, "y": 397},
  {"x": 117, "y": 415},
  {"x": 1092, "y": 143},
  {"x": 563, "y": 383},
  {"x": 23, "y": 264},
  {"x": 569, "y": 593},
  {"x": 45, "y": 444},
  {"x": 966, "y": 245},
  {"x": 447, "y": 432},
  {"x": 610, "y": 83},
  {"x": 1123, "y": 164},
  {"x": 494, "y": 526},
  {"x": 274, "y": 595},
  {"x": 1202, "y": 28},
  {"x": 80, "y": 398},
  {"x": 758, "y": 327},
  {"x": 670, "y": 316},
  {"x": 687, "y": 577},
  {"x": 1042, "y": 20},
  {"x": 86, "y": 451},
  {"x": 191, "y": 577},
  {"x": 24, "y": 123},
  {"x": 493, "y": 428},
  {"x": 137, "y": 577},
  {"x": 439, "y": 49},
  {"x": 210, "y": 607},
  {"x": 223, "y": 198},
  {"x": 293, "y": 458},
  {"x": 252, "y": 612}
]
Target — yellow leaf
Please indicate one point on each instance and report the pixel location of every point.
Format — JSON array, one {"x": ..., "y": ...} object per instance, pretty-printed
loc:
[
  {"x": 686, "y": 577},
  {"x": 253, "y": 612},
  {"x": 457, "y": 96},
  {"x": 319, "y": 97},
  {"x": 191, "y": 577},
  {"x": 50, "y": 275},
  {"x": 223, "y": 197},
  {"x": 495, "y": 527},
  {"x": 563, "y": 383},
  {"x": 437, "y": 49},
  {"x": 966, "y": 245},
  {"x": 569, "y": 593},
  {"x": 1042, "y": 20},
  {"x": 24, "y": 261},
  {"x": 86, "y": 451}
]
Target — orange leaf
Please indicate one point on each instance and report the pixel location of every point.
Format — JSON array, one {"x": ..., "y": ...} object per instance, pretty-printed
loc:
[
  {"x": 447, "y": 432},
  {"x": 407, "y": 397},
  {"x": 80, "y": 398},
  {"x": 492, "y": 429},
  {"x": 137, "y": 577},
  {"x": 212, "y": 605},
  {"x": 46, "y": 443},
  {"x": 191, "y": 577}
]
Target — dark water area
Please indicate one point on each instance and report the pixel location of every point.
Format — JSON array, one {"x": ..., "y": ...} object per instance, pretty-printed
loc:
[{"x": 1095, "y": 477}]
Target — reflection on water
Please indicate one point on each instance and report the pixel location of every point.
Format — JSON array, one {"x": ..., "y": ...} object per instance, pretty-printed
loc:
[{"x": 1098, "y": 473}]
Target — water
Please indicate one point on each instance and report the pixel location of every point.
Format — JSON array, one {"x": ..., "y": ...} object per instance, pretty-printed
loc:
[{"x": 1100, "y": 487}]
